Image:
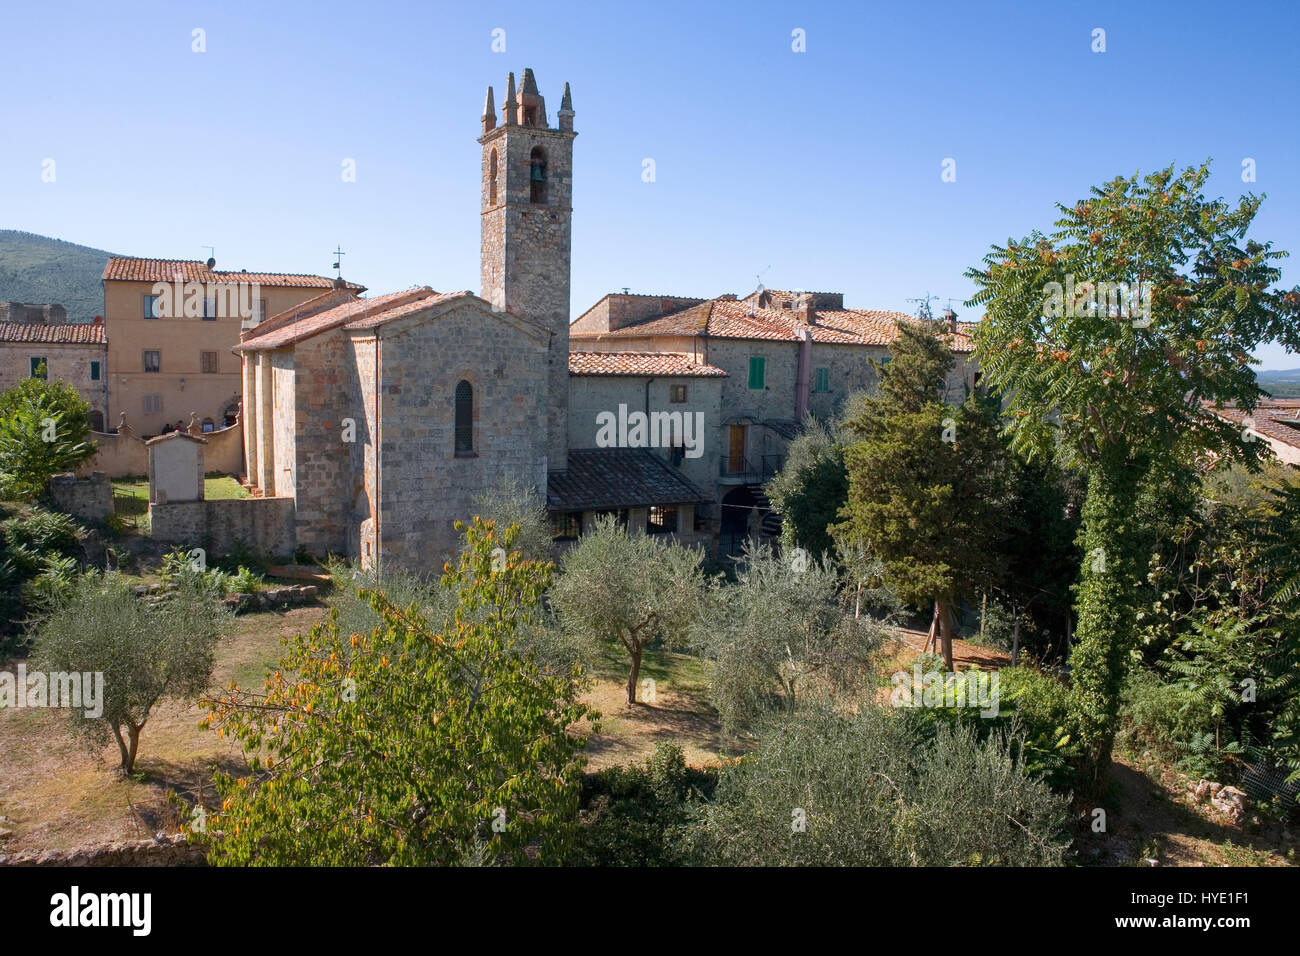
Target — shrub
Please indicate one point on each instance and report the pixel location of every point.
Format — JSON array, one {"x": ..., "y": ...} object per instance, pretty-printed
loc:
[
  {"x": 875, "y": 788},
  {"x": 634, "y": 815},
  {"x": 44, "y": 532}
]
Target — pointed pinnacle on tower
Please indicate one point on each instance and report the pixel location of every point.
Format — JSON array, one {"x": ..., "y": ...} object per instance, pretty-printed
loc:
[
  {"x": 511, "y": 107},
  {"x": 489, "y": 112},
  {"x": 566, "y": 109}
]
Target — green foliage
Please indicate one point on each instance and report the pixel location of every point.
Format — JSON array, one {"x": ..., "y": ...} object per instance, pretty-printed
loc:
[
  {"x": 177, "y": 567},
  {"x": 810, "y": 488},
  {"x": 926, "y": 480},
  {"x": 635, "y": 815},
  {"x": 1123, "y": 394},
  {"x": 405, "y": 744},
  {"x": 44, "y": 430},
  {"x": 629, "y": 588},
  {"x": 513, "y": 504},
  {"x": 779, "y": 629},
  {"x": 38, "y": 553},
  {"x": 876, "y": 788},
  {"x": 146, "y": 651}
]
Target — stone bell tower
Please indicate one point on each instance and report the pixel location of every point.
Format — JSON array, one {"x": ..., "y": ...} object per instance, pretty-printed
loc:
[{"x": 527, "y": 220}]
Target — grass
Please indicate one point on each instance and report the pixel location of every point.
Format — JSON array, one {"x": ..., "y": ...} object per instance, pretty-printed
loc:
[
  {"x": 131, "y": 495},
  {"x": 55, "y": 793}
]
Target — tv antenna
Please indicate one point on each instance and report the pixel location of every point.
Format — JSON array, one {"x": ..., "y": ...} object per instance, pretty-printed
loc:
[
  {"x": 338, "y": 258},
  {"x": 923, "y": 307}
]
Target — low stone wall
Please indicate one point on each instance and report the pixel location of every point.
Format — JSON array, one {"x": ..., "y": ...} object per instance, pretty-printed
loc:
[
  {"x": 164, "y": 851},
  {"x": 264, "y": 525},
  {"x": 122, "y": 453},
  {"x": 270, "y": 599},
  {"x": 224, "y": 451},
  {"x": 119, "y": 454},
  {"x": 88, "y": 498}
]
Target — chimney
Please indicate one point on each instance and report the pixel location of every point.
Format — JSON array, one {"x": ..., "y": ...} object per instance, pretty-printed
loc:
[
  {"x": 807, "y": 314},
  {"x": 950, "y": 318}
]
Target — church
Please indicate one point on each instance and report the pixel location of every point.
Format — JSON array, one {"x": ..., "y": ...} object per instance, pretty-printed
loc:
[{"x": 385, "y": 417}]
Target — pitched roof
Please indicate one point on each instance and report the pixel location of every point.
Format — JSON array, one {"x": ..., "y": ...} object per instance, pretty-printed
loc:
[
  {"x": 186, "y": 270},
  {"x": 1276, "y": 419},
  {"x": 600, "y": 478},
  {"x": 72, "y": 333},
  {"x": 324, "y": 313},
  {"x": 396, "y": 311},
  {"x": 732, "y": 319},
  {"x": 640, "y": 363}
]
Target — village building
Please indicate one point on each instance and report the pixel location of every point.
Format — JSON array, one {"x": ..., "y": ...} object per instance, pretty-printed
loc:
[
  {"x": 37, "y": 340},
  {"x": 783, "y": 355},
  {"x": 171, "y": 325},
  {"x": 1275, "y": 422},
  {"x": 380, "y": 421}
]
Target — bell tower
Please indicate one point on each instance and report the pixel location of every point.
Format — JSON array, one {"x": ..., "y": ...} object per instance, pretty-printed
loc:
[{"x": 527, "y": 216}]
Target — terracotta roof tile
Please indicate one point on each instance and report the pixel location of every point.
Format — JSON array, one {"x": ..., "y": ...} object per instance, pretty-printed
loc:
[
  {"x": 283, "y": 332},
  {"x": 729, "y": 319},
  {"x": 373, "y": 319},
  {"x": 72, "y": 333},
  {"x": 169, "y": 270},
  {"x": 640, "y": 363},
  {"x": 1268, "y": 419},
  {"x": 599, "y": 478}
]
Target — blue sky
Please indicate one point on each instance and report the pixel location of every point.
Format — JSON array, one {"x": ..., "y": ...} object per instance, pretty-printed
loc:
[{"x": 816, "y": 170}]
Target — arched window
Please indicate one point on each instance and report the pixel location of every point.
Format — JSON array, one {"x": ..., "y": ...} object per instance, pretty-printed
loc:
[
  {"x": 492, "y": 179},
  {"x": 464, "y": 418},
  {"x": 537, "y": 175}
]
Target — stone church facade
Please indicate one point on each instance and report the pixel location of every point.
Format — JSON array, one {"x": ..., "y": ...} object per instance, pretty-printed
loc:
[{"x": 384, "y": 418}]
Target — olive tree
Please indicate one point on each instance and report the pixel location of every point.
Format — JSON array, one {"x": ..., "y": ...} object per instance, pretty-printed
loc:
[
  {"x": 147, "y": 651},
  {"x": 630, "y": 589}
]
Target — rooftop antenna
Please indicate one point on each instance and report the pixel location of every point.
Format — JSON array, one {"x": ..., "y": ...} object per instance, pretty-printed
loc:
[
  {"x": 338, "y": 259},
  {"x": 923, "y": 306},
  {"x": 758, "y": 278},
  {"x": 212, "y": 255}
]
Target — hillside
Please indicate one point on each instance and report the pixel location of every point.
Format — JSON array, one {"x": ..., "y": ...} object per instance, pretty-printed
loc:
[
  {"x": 39, "y": 269},
  {"x": 1284, "y": 383}
]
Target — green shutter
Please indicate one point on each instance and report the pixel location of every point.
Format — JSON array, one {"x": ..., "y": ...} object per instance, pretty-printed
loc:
[
  {"x": 823, "y": 380},
  {"x": 757, "y": 368},
  {"x": 94, "y": 371}
]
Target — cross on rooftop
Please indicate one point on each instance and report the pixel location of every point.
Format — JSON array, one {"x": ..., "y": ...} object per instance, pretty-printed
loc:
[{"x": 338, "y": 259}]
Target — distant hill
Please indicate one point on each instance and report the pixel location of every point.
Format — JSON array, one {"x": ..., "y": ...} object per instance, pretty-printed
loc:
[
  {"x": 1284, "y": 383},
  {"x": 39, "y": 269}
]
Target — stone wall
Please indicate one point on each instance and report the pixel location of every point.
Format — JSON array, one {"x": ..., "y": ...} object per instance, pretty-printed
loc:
[
  {"x": 427, "y": 487},
  {"x": 163, "y": 851},
  {"x": 589, "y": 395},
  {"x": 90, "y": 498},
  {"x": 264, "y": 525},
  {"x": 64, "y": 362},
  {"x": 123, "y": 453}
]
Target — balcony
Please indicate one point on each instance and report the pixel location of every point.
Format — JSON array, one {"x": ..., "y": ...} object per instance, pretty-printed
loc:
[{"x": 735, "y": 469}]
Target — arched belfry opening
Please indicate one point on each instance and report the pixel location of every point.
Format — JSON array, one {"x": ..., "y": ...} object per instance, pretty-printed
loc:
[{"x": 537, "y": 176}]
